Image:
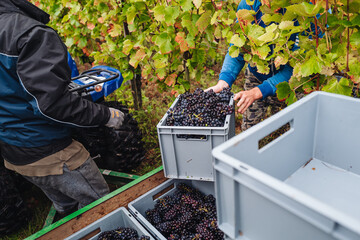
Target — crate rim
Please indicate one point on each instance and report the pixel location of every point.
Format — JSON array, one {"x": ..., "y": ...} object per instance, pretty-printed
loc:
[
  {"x": 291, "y": 192},
  {"x": 227, "y": 119}
]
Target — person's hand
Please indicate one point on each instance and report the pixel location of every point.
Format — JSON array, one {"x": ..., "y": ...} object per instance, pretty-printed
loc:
[
  {"x": 246, "y": 98},
  {"x": 116, "y": 118},
  {"x": 221, "y": 84}
]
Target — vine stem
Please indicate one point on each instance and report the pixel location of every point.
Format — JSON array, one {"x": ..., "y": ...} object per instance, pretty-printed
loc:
[
  {"x": 326, "y": 27},
  {"x": 316, "y": 76},
  {"x": 317, "y": 43},
  {"x": 348, "y": 38},
  {"x": 214, "y": 5}
]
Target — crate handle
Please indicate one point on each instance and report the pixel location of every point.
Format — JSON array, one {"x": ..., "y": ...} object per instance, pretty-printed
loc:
[
  {"x": 90, "y": 234},
  {"x": 269, "y": 138},
  {"x": 191, "y": 137}
]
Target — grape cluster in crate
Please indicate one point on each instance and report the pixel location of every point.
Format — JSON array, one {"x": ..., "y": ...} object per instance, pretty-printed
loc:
[
  {"x": 122, "y": 233},
  {"x": 201, "y": 109},
  {"x": 186, "y": 214}
]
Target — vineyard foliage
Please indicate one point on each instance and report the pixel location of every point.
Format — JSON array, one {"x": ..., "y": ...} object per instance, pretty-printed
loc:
[
  {"x": 168, "y": 41},
  {"x": 171, "y": 41}
]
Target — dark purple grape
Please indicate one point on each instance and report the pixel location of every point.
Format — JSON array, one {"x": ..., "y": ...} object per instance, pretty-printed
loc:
[{"x": 205, "y": 109}]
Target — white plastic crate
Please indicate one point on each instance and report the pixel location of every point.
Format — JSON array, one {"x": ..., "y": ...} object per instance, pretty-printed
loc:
[
  {"x": 190, "y": 157},
  {"x": 147, "y": 201},
  {"x": 118, "y": 218},
  {"x": 304, "y": 184}
]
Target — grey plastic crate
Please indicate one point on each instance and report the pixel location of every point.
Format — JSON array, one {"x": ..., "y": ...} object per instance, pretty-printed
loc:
[
  {"x": 118, "y": 218},
  {"x": 304, "y": 184},
  {"x": 147, "y": 201},
  {"x": 191, "y": 158}
]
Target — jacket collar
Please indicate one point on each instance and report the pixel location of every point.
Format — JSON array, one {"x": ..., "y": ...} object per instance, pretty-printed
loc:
[{"x": 24, "y": 7}]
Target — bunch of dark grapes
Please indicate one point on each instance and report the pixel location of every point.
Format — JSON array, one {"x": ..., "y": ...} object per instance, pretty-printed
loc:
[
  {"x": 187, "y": 214},
  {"x": 122, "y": 233},
  {"x": 201, "y": 109}
]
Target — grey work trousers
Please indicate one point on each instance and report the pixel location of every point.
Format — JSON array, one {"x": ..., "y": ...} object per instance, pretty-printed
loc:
[{"x": 73, "y": 189}]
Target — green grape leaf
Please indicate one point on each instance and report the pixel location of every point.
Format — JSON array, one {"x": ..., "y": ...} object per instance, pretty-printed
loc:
[
  {"x": 245, "y": 16},
  {"x": 283, "y": 91},
  {"x": 128, "y": 45},
  {"x": 311, "y": 66},
  {"x": 159, "y": 13},
  {"x": 131, "y": 14},
  {"x": 265, "y": 3},
  {"x": 247, "y": 57},
  {"x": 69, "y": 41},
  {"x": 214, "y": 18},
  {"x": 291, "y": 99},
  {"x": 217, "y": 32},
  {"x": 280, "y": 60},
  {"x": 160, "y": 61},
  {"x": 180, "y": 38},
  {"x": 163, "y": 40},
  {"x": 186, "y": 5},
  {"x": 234, "y": 51},
  {"x": 305, "y": 9},
  {"x": 171, "y": 13},
  {"x": 197, "y": 3},
  {"x": 82, "y": 42},
  {"x": 286, "y": 25},
  {"x": 136, "y": 58},
  {"x": 190, "y": 41},
  {"x": 161, "y": 73},
  {"x": 250, "y": 3},
  {"x": 355, "y": 39},
  {"x": 254, "y": 32},
  {"x": 340, "y": 87},
  {"x": 237, "y": 40},
  {"x": 145, "y": 71},
  {"x": 268, "y": 18},
  {"x": 204, "y": 21},
  {"x": 262, "y": 51},
  {"x": 356, "y": 21},
  {"x": 188, "y": 24},
  {"x": 170, "y": 79},
  {"x": 115, "y": 31},
  {"x": 267, "y": 37}
]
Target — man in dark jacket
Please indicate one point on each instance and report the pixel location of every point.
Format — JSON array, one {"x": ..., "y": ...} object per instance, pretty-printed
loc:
[{"x": 37, "y": 111}]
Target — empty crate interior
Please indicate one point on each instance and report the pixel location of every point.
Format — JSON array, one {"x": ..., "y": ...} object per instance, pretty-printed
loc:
[{"x": 318, "y": 155}]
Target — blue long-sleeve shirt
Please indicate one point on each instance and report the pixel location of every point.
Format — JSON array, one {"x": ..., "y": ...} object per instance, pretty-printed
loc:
[{"x": 232, "y": 66}]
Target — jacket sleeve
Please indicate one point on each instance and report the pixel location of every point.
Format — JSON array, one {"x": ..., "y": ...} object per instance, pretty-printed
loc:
[
  {"x": 268, "y": 87},
  {"x": 45, "y": 74},
  {"x": 232, "y": 66}
]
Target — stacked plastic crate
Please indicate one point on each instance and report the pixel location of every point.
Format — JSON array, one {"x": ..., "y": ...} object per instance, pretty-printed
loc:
[{"x": 186, "y": 157}]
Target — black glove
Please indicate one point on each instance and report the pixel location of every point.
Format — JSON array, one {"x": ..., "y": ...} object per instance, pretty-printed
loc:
[{"x": 116, "y": 118}]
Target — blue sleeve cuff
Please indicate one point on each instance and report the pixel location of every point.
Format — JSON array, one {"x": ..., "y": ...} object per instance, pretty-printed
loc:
[
  {"x": 228, "y": 78},
  {"x": 266, "y": 89}
]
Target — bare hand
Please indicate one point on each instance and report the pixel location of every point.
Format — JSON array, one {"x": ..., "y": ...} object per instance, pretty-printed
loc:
[
  {"x": 246, "y": 98},
  {"x": 221, "y": 84}
]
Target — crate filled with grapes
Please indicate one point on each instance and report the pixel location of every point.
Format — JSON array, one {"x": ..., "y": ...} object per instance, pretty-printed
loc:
[
  {"x": 195, "y": 124},
  {"x": 179, "y": 209},
  {"x": 119, "y": 224}
]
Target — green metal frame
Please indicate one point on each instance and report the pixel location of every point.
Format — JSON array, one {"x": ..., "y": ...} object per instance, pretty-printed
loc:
[{"x": 48, "y": 228}]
